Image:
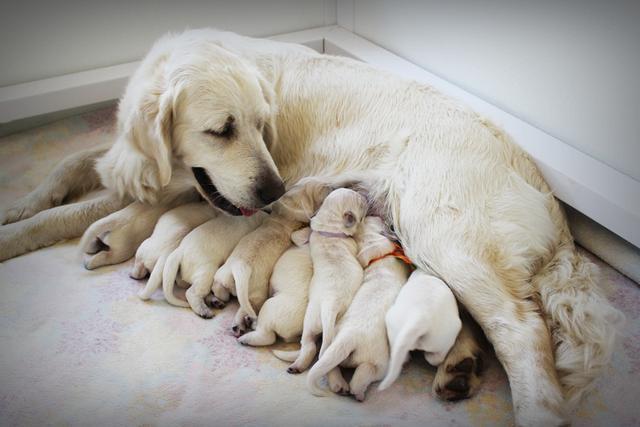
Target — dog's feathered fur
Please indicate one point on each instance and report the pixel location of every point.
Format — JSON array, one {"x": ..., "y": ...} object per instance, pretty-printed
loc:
[{"x": 467, "y": 204}]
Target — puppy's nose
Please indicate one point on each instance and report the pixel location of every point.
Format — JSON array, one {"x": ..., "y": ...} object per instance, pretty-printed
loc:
[{"x": 270, "y": 190}]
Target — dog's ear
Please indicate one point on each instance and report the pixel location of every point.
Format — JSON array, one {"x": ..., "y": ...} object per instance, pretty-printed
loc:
[
  {"x": 348, "y": 219},
  {"x": 139, "y": 163},
  {"x": 269, "y": 132},
  {"x": 301, "y": 237}
]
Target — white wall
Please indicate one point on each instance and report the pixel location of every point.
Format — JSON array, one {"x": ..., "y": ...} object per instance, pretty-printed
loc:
[
  {"x": 46, "y": 38},
  {"x": 570, "y": 68}
]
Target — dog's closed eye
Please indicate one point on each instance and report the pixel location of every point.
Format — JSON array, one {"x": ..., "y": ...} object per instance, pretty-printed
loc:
[{"x": 225, "y": 132}]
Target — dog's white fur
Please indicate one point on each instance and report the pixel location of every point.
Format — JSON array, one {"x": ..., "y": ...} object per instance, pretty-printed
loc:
[
  {"x": 424, "y": 317},
  {"x": 199, "y": 256},
  {"x": 115, "y": 238},
  {"x": 361, "y": 339},
  {"x": 171, "y": 228},
  {"x": 283, "y": 313},
  {"x": 337, "y": 274},
  {"x": 246, "y": 273},
  {"x": 467, "y": 204}
]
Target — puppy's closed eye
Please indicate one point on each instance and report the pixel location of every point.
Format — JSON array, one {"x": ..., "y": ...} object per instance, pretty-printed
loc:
[{"x": 348, "y": 219}]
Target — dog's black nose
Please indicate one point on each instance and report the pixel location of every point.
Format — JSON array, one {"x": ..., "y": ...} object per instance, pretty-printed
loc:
[{"x": 270, "y": 190}]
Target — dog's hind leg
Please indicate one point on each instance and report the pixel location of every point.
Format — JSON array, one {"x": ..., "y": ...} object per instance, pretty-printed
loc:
[
  {"x": 336, "y": 381},
  {"x": 73, "y": 176},
  {"x": 459, "y": 375},
  {"x": 199, "y": 289},
  {"x": 364, "y": 375},
  {"x": 55, "y": 224},
  {"x": 259, "y": 337},
  {"x": 307, "y": 352}
]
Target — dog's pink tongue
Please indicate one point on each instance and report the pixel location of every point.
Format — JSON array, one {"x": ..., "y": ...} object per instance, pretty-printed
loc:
[{"x": 247, "y": 212}]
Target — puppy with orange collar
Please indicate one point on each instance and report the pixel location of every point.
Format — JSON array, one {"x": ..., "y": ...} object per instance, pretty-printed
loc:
[{"x": 361, "y": 339}]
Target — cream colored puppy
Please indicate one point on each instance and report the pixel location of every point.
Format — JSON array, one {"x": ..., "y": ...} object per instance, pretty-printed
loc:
[
  {"x": 167, "y": 235},
  {"x": 424, "y": 317},
  {"x": 337, "y": 274},
  {"x": 361, "y": 338},
  {"x": 115, "y": 238},
  {"x": 246, "y": 273},
  {"x": 283, "y": 313},
  {"x": 199, "y": 256}
]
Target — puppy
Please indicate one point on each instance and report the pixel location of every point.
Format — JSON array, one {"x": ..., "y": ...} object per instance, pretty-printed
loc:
[
  {"x": 283, "y": 313},
  {"x": 424, "y": 317},
  {"x": 166, "y": 236},
  {"x": 199, "y": 256},
  {"x": 337, "y": 274},
  {"x": 361, "y": 339},
  {"x": 246, "y": 273}
]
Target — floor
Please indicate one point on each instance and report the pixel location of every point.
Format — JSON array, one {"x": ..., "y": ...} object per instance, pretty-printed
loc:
[{"x": 79, "y": 348}]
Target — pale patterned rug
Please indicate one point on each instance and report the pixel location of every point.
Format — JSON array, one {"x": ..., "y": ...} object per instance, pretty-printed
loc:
[{"x": 79, "y": 348}]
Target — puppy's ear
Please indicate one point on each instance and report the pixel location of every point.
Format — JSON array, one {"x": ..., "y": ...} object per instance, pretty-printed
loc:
[
  {"x": 139, "y": 163},
  {"x": 349, "y": 219},
  {"x": 301, "y": 237},
  {"x": 269, "y": 133}
]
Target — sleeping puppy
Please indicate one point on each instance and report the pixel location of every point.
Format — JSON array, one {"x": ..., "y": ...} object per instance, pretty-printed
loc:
[
  {"x": 115, "y": 238},
  {"x": 199, "y": 256},
  {"x": 337, "y": 274},
  {"x": 361, "y": 339},
  {"x": 167, "y": 234},
  {"x": 423, "y": 317},
  {"x": 283, "y": 313},
  {"x": 246, "y": 273}
]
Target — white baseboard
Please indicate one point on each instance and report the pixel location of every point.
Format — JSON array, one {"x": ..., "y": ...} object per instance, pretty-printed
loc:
[{"x": 593, "y": 188}]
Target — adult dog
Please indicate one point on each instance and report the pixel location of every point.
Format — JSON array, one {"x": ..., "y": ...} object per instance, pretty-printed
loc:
[{"x": 237, "y": 117}]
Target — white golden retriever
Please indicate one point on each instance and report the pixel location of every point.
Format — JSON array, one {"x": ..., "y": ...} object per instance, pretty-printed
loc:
[
  {"x": 246, "y": 273},
  {"x": 423, "y": 317},
  {"x": 236, "y": 117},
  {"x": 282, "y": 314},
  {"x": 361, "y": 339},
  {"x": 167, "y": 235},
  {"x": 199, "y": 256},
  {"x": 337, "y": 274}
]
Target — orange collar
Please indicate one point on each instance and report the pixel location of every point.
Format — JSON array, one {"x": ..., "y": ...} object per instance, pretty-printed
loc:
[{"x": 397, "y": 252}]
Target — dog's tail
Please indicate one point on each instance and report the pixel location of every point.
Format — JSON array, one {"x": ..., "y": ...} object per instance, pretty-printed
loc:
[
  {"x": 242, "y": 276},
  {"x": 335, "y": 354},
  {"x": 286, "y": 355},
  {"x": 583, "y": 324},
  {"x": 169, "y": 274},
  {"x": 155, "y": 279},
  {"x": 328, "y": 317},
  {"x": 402, "y": 345}
]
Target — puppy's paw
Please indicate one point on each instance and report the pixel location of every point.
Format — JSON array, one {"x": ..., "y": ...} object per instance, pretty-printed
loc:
[
  {"x": 249, "y": 323},
  {"x": 337, "y": 384},
  {"x": 358, "y": 396},
  {"x": 237, "y": 331},
  {"x": 214, "y": 302},
  {"x": 459, "y": 376}
]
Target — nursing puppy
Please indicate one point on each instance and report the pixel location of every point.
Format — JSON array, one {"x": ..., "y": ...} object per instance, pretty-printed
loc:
[
  {"x": 115, "y": 238},
  {"x": 199, "y": 256},
  {"x": 246, "y": 273},
  {"x": 167, "y": 235},
  {"x": 283, "y": 313},
  {"x": 423, "y": 317},
  {"x": 337, "y": 274},
  {"x": 361, "y": 338}
]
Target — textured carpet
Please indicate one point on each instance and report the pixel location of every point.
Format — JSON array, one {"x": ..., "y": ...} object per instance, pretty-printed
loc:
[{"x": 79, "y": 348}]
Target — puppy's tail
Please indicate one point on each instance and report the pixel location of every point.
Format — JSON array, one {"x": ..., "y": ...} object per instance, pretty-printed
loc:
[
  {"x": 242, "y": 276},
  {"x": 337, "y": 352},
  {"x": 286, "y": 355},
  {"x": 328, "y": 316},
  {"x": 169, "y": 274},
  {"x": 155, "y": 279},
  {"x": 404, "y": 343}
]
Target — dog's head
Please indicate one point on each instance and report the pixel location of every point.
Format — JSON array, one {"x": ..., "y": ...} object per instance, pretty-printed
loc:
[
  {"x": 342, "y": 211},
  {"x": 200, "y": 107}
]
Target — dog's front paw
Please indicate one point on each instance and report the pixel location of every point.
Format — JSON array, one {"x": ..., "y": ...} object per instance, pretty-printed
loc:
[
  {"x": 24, "y": 208},
  {"x": 458, "y": 377},
  {"x": 102, "y": 245},
  {"x": 214, "y": 302}
]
